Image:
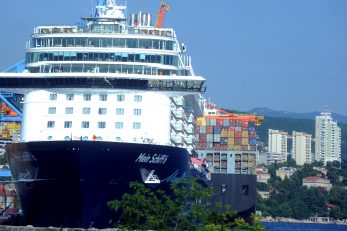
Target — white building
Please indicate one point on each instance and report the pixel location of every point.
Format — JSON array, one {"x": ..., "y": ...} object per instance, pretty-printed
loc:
[
  {"x": 302, "y": 148},
  {"x": 285, "y": 172},
  {"x": 278, "y": 143},
  {"x": 328, "y": 139}
]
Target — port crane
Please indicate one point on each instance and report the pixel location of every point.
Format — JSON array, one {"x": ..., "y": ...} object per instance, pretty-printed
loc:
[
  {"x": 161, "y": 14},
  {"x": 256, "y": 119},
  {"x": 10, "y": 115}
]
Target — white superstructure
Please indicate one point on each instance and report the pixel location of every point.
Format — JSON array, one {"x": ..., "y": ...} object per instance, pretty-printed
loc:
[
  {"x": 328, "y": 139},
  {"x": 108, "y": 81}
]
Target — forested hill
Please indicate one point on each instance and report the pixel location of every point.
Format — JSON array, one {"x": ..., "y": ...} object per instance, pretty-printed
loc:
[{"x": 295, "y": 124}]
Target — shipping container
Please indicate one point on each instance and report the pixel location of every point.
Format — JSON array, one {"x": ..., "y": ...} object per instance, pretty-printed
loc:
[
  {"x": 197, "y": 129},
  {"x": 230, "y": 147},
  {"x": 202, "y": 129},
  {"x": 202, "y": 137},
  {"x": 252, "y": 134},
  {"x": 251, "y": 129},
  {"x": 245, "y": 134},
  {"x": 238, "y": 123},
  {"x": 244, "y": 141},
  {"x": 219, "y": 122},
  {"x": 209, "y": 138},
  {"x": 245, "y": 147},
  {"x": 226, "y": 122},
  {"x": 224, "y": 140},
  {"x": 224, "y": 133},
  {"x": 244, "y": 129},
  {"x": 238, "y": 134},
  {"x": 224, "y": 147},
  {"x": 213, "y": 122},
  {"x": 244, "y": 124},
  {"x": 216, "y": 146},
  {"x": 216, "y": 138},
  {"x": 238, "y": 141},
  {"x": 217, "y": 129},
  {"x": 209, "y": 129},
  {"x": 232, "y": 123},
  {"x": 237, "y": 147},
  {"x": 231, "y": 133},
  {"x": 231, "y": 141},
  {"x": 252, "y": 141}
]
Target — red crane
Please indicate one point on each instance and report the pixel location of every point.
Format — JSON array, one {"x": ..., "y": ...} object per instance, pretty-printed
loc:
[
  {"x": 161, "y": 14},
  {"x": 257, "y": 120}
]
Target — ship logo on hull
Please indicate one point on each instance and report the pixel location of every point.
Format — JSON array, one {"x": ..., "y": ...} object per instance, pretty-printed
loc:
[{"x": 152, "y": 178}]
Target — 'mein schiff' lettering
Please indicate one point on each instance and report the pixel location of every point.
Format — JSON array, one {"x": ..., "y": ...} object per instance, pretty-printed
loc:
[{"x": 152, "y": 158}]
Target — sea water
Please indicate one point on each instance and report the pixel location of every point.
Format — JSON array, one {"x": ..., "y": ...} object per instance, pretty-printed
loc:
[{"x": 283, "y": 226}]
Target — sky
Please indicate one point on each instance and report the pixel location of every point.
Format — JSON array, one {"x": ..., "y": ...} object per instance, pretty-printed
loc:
[{"x": 281, "y": 54}]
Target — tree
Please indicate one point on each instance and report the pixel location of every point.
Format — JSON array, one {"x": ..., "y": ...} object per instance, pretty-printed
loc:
[{"x": 187, "y": 209}]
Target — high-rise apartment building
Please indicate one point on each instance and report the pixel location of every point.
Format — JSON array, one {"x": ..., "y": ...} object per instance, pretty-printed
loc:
[
  {"x": 301, "y": 152},
  {"x": 278, "y": 142},
  {"x": 328, "y": 139}
]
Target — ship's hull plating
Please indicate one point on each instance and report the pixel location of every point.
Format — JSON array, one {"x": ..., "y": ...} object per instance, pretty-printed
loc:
[
  {"x": 68, "y": 183},
  {"x": 237, "y": 191}
]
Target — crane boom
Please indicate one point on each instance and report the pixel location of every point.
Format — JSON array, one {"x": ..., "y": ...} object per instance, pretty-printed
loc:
[
  {"x": 256, "y": 119},
  {"x": 161, "y": 14}
]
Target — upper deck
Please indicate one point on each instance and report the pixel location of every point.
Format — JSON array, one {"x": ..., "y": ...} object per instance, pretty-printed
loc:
[{"x": 103, "y": 29}]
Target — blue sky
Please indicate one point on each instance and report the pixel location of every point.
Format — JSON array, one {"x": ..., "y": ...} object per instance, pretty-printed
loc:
[{"x": 281, "y": 54}]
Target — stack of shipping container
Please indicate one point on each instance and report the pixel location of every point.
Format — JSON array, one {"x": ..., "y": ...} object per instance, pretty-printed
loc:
[{"x": 224, "y": 140}]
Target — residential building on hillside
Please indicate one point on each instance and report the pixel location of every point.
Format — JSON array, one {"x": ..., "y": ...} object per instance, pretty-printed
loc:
[
  {"x": 285, "y": 172},
  {"x": 316, "y": 181},
  {"x": 302, "y": 148},
  {"x": 264, "y": 194},
  {"x": 328, "y": 139},
  {"x": 263, "y": 175},
  {"x": 278, "y": 143}
]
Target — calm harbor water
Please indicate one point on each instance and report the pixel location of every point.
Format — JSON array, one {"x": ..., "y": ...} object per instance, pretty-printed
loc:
[{"x": 282, "y": 226}]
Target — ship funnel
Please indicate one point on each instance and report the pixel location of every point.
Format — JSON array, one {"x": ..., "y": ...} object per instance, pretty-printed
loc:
[
  {"x": 146, "y": 19},
  {"x": 141, "y": 19}
]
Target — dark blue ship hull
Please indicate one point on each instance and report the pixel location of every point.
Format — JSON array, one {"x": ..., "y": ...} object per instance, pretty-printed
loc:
[{"x": 68, "y": 183}]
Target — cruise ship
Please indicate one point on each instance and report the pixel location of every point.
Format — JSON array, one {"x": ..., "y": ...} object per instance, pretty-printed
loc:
[{"x": 106, "y": 102}]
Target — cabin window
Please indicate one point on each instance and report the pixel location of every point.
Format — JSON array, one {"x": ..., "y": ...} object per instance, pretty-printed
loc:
[
  {"x": 50, "y": 124},
  {"x": 68, "y": 110},
  {"x": 52, "y": 110},
  {"x": 119, "y": 125},
  {"x": 87, "y": 97},
  {"x": 137, "y": 112},
  {"x": 136, "y": 125},
  {"x": 138, "y": 98},
  {"x": 53, "y": 97},
  {"x": 68, "y": 124},
  {"x": 70, "y": 97},
  {"x": 120, "y": 97},
  {"x": 102, "y": 111},
  {"x": 103, "y": 97},
  {"x": 85, "y": 124},
  {"x": 119, "y": 111},
  {"x": 101, "y": 124},
  {"x": 86, "y": 110}
]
